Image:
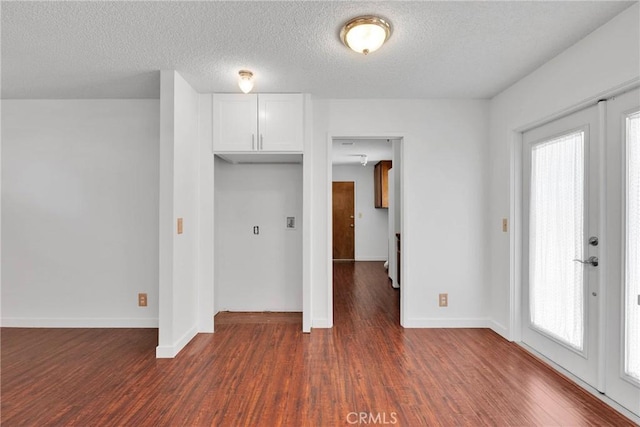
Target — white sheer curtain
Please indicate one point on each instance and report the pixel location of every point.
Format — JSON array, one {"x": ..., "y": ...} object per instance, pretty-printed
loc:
[
  {"x": 632, "y": 309},
  {"x": 556, "y": 215}
]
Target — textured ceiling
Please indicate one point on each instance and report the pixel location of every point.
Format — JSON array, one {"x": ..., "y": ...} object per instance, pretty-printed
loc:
[{"x": 93, "y": 49}]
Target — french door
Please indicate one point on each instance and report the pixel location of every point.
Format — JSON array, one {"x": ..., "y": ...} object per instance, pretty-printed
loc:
[
  {"x": 581, "y": 245},
  {"x": 623, "y": 251},
  {"x": 560, "y": 242}
]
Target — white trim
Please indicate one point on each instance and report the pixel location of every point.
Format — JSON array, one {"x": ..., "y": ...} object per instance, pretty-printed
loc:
[
  {"x": 499, "y": 329},
  {"x": 169, "y": 352},
  {"x": 78, "y": 322},
  {"x": 307, "y": 214},
  {"x": 322, "y": 323},
  {"x": 165, "y": 352},
  {"x": 404, "y": 232},
  {"x": 206, "y": 215},
  {"x": 447, "y": 323},
  {"x": 371, "y": 258},
  {"x": 601, "y": 346},
  {"x": 515, "y": 239},
  {"x": 329, "y": 284}
]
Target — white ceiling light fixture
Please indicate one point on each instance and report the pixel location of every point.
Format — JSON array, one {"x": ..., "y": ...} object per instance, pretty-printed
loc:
[
  {"x": 365, "y": 34},
  {"x": 245, "y": 80},
  {"x": 363, "y": 158}
]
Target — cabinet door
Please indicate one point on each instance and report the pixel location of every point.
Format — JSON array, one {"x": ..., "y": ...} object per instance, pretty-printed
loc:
[
  {"x": 235, "y": 124},
  {"x": 280, "y": 122},
  {"x": 381, "y": 183}
]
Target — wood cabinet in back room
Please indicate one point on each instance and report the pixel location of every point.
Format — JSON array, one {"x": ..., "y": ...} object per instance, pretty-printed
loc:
[{"x": 381, "y": 183}]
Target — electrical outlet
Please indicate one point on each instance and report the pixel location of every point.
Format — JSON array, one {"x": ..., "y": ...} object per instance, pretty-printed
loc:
[
  {"x": 443, "y": 300},
  {"x": 142, "y": 300},
  {"x": 180, "y": 229}
]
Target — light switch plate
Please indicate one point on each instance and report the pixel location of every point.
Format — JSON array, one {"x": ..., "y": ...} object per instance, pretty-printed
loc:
[
  {"x": 443, "y": 300},
  {"x": 505, "y": 225},
  {"x": 180, "y": 226},
  {"x": 142, "y": 300}
]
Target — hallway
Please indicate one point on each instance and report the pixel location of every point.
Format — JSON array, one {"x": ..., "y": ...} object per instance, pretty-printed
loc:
[
  {"x": 260, "y": 370},
  {"x": 362, "y": 296}
]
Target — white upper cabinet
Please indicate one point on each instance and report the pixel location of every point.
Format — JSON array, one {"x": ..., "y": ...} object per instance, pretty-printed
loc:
[
  {"x": 235, "y": 124},
  {"x": 258, "y": 123},
  {"x": 280, "y": 122}
]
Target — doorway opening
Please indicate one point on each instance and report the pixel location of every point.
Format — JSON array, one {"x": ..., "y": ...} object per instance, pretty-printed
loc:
[{"x": 366, "y": 212}]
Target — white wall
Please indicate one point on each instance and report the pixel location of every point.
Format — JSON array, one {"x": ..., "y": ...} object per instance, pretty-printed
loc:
[
  {"x": 371, "y": 224},
  {"x": 605, "y": 59},
  {"x": 179, "y": 176},
  {"x": 258, "y": 272},
  {"x": 80, "y": 212},
  {"x": 444, "y": 193}
]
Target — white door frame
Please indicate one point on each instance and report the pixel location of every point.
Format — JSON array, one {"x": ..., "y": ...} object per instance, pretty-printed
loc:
[
  {"x": 329, "y": 211},
  {"x": 514, "y": 332}
]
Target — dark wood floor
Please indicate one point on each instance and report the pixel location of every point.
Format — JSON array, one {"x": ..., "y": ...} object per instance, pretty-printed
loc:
[{"x": 267, "y": 373}]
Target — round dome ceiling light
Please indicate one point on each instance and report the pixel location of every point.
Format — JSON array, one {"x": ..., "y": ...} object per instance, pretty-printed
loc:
[{"x": 365, "y": 34}]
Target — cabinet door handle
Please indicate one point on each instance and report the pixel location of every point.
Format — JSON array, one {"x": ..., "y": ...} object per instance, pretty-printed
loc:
[
  {"x": 261, "y": 142},
  {"x": 253, "y": 141}
]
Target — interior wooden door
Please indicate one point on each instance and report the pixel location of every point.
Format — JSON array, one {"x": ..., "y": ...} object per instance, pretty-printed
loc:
[{"x": 343, "y": 221}]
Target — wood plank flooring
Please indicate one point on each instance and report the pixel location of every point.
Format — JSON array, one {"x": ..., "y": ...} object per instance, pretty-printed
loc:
[{"x": 267, "y": 373}]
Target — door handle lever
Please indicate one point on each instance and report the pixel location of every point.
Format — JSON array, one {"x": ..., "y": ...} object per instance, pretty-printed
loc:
[{"x": 593, "y": 260}]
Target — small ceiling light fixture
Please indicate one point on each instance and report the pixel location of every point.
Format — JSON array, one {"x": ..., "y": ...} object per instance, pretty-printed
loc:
[
  {"x": 365, "y": 34},
  {"x": 363, "y": 160},
  {"x": 245, "y": 80}
]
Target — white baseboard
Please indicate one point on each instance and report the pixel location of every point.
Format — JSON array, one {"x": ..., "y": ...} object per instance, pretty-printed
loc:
[
  {"x": 171, "y": 351},
  {"x": 371, "y": 258},
  {"x": 446, "y": 323},
  {"x": 321, "y": 324},
  {"x": 260, "y": 309},
  {"x": 206, "y": 329},
  {"x": 87, "y": 322},
  {"x": 499, "y": 329}
]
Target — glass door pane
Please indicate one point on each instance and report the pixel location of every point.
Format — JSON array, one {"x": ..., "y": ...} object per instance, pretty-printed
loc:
[
  {"x": 556, "y": 230},
  {"x": 632, "y": 307}
]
